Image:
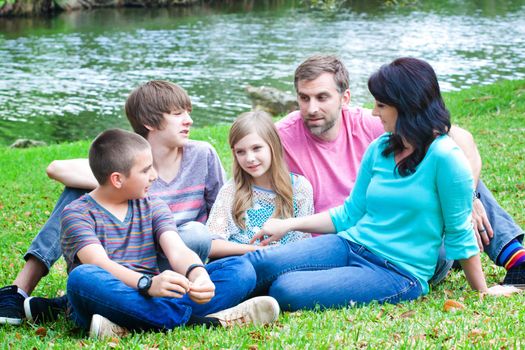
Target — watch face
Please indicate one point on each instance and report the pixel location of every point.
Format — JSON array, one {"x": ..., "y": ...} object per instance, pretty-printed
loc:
[{"x": 143, "y": 282}]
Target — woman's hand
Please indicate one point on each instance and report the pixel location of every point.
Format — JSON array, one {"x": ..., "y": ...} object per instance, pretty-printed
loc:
[
  {"x": 499, "y": 290},
  {"x": 272, "y": 230}
]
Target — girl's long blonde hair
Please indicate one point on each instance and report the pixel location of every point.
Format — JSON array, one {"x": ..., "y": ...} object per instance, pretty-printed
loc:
[{"x": 261, "y": 123}]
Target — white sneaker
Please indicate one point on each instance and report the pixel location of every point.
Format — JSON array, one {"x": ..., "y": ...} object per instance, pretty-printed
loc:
[
  {"x": 101, "y": 327},
  {"x": 256, "y": 311}
]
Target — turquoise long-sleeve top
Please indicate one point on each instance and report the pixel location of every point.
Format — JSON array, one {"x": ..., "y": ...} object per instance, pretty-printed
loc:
[{"x": 406, "y": 219}]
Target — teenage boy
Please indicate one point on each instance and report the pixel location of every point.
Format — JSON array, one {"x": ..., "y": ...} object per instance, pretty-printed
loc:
[
  {"x": 110, "y": 240},
  {"x": 190, "y": 176}
]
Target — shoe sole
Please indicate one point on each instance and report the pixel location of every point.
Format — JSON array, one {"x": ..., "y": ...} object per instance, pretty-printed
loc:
[
  {"x": 274, "y": 305},
  {"x": 94, "y": 328},
  {"x": 27, "y": 309},
  {"x": 11, "y": 321},
  {"x": 261, "y": 305},
  {"x": 519, "y": 286}
]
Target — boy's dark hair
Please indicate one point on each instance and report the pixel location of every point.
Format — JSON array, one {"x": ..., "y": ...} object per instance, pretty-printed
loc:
[
  {"x": 316, "y": 65},
  {"x": 148, "y": 102},
  {"x": 114, "y": 150}
]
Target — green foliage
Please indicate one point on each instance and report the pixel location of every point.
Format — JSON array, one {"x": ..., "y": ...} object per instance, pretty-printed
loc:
[
  {"x": 325, "y": 5},
  {"x": 494, "y": 114},
  {"x": 3, "y": 2}
]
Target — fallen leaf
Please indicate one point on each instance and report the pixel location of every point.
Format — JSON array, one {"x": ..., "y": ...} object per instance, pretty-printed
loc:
[
  {"x": 408, "y": 314},
  {"x": 41, "y": 332},
  {"x": 476, "y": 332},
  {"x": 452, "y": 306},
  {"x": 380, "y": 313}
]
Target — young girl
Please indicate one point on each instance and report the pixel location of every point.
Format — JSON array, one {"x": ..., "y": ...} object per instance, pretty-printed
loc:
[{"x": 261, "y": 188}]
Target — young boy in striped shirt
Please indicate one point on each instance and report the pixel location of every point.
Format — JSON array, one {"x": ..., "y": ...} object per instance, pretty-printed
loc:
[
  {"x": 190, "y": 175},
  {"x": 110, "y": 240}
]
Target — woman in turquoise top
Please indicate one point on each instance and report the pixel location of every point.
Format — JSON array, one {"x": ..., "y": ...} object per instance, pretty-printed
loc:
[{"x": 413, "y": 192}]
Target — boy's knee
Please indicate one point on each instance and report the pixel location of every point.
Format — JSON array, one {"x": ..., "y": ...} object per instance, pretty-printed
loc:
[
  {"x": 80, "y": 275},
  {"x": 245, "y": 273},
  {"x": 197, "y": 237}
]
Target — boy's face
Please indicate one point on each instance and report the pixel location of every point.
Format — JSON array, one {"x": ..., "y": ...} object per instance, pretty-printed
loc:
[
  {"x": 175, "y": 130},
  {"x": 141, "y": 175}
]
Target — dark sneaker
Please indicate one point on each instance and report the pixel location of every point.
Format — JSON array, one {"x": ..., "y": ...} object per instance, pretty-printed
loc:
[
  {"x": 39, "y": 310},
  {"x": 515, "y": 277},
  {"x": 11, "y": 306},
  {"x": 101, "y": 327}
]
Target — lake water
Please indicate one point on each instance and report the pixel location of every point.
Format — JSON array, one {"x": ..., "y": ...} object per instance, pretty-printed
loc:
[{"x": 67, "y": 77}]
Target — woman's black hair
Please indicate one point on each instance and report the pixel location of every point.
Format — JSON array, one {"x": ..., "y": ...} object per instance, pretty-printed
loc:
[{"x": 410, "y": 85}]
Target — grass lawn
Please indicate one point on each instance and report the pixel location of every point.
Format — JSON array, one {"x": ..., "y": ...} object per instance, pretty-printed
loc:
[{"x": 494, "y": 114}]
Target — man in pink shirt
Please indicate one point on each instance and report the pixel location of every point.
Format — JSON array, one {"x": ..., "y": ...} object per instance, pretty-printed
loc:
[{"x": 325, "y": 141}]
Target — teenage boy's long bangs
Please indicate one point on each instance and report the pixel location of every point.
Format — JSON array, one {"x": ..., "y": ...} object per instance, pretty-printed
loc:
[{"x": 147, "y": 104}]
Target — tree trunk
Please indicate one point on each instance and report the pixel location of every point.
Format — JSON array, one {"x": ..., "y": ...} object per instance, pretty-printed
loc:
[{"x": 26, "y": 7}]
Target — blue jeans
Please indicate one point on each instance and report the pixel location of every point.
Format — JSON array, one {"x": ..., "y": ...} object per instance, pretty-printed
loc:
[
  {"x": 505, "y": 230},
  {"x": 92, "y": 290},
  {"x": 46, "y": 245},
  {"x": 329, "y": 271}
]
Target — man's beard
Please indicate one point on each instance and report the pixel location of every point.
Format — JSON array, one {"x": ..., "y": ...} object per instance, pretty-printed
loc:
[{"x": 320, "y": 130}]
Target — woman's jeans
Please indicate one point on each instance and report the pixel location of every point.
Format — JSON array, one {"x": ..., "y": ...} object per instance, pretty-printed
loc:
[
  {"x": 329, "y": 271},
  {"x": 92, "y": 290},
  {"x": 46, "y": 245}
]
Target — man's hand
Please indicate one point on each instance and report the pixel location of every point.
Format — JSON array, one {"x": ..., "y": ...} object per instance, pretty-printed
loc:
[
  {"x": 480, "y": 221},
  {"x": 202, "y": 288},
  {"x": 169, "y": 284},
  {"x": 272, "y": 230}
]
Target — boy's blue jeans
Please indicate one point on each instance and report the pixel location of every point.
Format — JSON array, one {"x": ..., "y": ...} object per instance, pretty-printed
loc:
[
  {"x": 46, "y": 245},
  {"x": 329, "y": 271},
  {"x": 92, "y": 290}
]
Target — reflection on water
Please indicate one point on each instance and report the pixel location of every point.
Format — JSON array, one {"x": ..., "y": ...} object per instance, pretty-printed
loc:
[{"x": 67, "y": 77}]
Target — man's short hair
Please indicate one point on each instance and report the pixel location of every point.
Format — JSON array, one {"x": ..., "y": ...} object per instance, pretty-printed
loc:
[
  {"x": 147, "y": 104},
  {"x": 316, "y": 65},
  {"x": 114, "y": 150}
]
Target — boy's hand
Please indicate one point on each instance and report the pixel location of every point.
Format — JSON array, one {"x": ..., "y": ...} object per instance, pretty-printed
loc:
[
  {"x": 169, "y": 284},
  {"x": 202, "y": 288}
]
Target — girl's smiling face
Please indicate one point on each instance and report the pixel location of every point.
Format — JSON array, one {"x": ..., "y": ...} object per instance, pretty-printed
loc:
[{"x": 254, "y": 156}]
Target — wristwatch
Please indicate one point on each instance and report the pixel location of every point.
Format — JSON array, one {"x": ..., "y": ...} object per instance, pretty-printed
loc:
[{"x": 144, "y": 284}]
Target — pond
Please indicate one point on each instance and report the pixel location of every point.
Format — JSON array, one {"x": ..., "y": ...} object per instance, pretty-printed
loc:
[{"x": 67, "y": 77}]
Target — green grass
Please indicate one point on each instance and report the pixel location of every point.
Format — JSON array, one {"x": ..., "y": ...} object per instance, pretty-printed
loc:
[{"x": 494, "y": 114}]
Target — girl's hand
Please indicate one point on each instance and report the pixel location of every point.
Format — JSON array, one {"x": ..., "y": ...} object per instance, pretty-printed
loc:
[
  {"x": 499, "y": 290},
  {"x": 272, "y": 230},
  {"x": 169, "y": 284}
]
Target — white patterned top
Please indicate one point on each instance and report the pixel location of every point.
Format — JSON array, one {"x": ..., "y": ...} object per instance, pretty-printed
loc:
[{"x": 222, "y": 226}]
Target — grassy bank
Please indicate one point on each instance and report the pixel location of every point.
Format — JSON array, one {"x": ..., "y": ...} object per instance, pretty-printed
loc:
[{"x": 494, "y": 114}]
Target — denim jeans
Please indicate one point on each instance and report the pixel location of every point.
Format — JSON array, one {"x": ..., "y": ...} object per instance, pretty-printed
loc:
[
  {"x": 505, "y": 230},
  {"x": 329, "y": 271},
  {"x": 92, "y": 290},
  {"x": 46, "y": 245}
]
